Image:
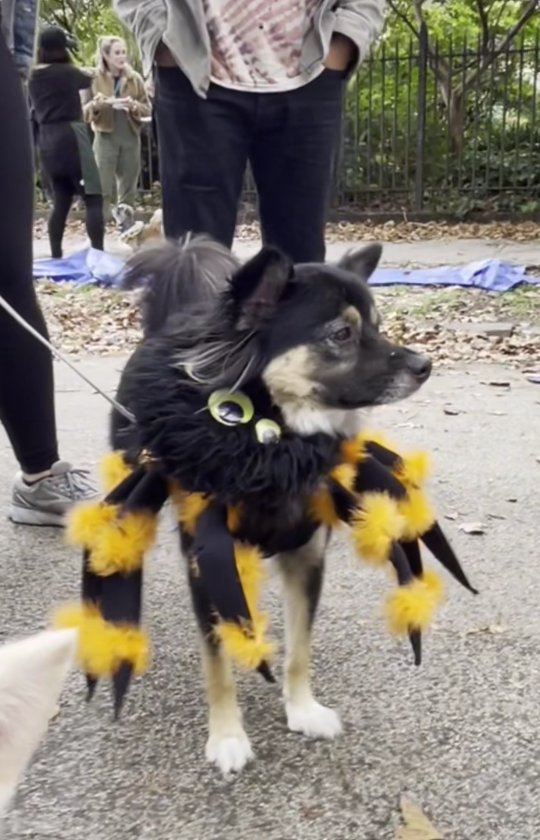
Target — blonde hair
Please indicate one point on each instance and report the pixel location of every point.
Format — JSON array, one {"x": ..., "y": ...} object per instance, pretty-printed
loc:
[{"x": 105, "y": 44}]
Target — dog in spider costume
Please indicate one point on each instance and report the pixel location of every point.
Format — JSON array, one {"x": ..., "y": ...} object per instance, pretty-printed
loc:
[{"x": 245, "y": 393}]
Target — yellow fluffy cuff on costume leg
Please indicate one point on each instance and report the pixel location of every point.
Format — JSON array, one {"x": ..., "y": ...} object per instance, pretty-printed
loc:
[
  {"x": 86, "y": 519},
  {"x": 413, "y": 469},
  {"x": 113, "y": 470},
  {"x": 375, "y": 526},
  {"x": 116, "y": 541},
  {"x": 417, "y": 514},
  {"x": 246, "y": 649},
  {"x": 411, "y": 607},
  {"x": 189, "y": 507},
  {"x": 247, "y": 645},
  {"x": 102, "y": 646}
]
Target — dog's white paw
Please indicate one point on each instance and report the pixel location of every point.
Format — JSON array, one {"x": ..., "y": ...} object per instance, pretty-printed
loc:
[
  {"x": 229, "y": 752},
  {"x": 313, "y": 720}
]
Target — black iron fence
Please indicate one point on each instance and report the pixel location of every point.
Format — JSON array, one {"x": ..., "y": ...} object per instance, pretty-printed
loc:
[{"x": 423, "y": 130}]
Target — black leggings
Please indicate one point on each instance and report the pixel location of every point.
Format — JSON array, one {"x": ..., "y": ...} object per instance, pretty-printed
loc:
[
  {"x": 26, "y": 370},
  {"x": 63, "y": 195}
]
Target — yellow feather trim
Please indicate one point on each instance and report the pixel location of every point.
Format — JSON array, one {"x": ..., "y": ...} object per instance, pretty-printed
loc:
[
  {"x": 102, "y": 646},
  {"x": 247, "y": 645},
  {"x": 417, "y": 513},
  {"x": 245, "y": 651},
  {"x": 121, "y": 545},
  {"x": 375, "y": 526},
  {"x": 344, "y": 474},
  {"x": 322, "y": 508},
  {"x": 353, "y": 450},
  {"x": 435, "y": 585},
  {"x": 189, "y": 507},
  {"x": 117, "y": 543},
  {"x": 413, "y": 469},
  {"x": 411, "y": 607},
  {"x": 86, "y": 519},
  {"x": 249, "y": 565},
  {"x": 113, "y": 469}
]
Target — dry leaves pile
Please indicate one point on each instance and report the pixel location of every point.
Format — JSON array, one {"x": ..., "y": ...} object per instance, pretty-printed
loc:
[
  {"x": 102, "y": 321},
  {"x": 451, "y": 324},
  {"x": 383, "y": 232},
  {"x": 415, "y": 231}
]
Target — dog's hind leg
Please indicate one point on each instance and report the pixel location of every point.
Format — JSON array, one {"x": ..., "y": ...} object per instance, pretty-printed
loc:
[
  {"x": 228, "y": 745},
  {"x": 302, "y": 574}
]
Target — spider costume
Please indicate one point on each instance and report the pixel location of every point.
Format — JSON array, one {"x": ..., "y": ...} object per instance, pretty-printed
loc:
[{"x": 244, "y": 487}]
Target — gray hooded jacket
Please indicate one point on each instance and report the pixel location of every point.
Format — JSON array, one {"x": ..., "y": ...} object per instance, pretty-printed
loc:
[{"x": 180, "y": 24}]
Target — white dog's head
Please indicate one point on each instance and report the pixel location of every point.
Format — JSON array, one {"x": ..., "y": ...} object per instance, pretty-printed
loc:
[{"x": 32, "y": 673}]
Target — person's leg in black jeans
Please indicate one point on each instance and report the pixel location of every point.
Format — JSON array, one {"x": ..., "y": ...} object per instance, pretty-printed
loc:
[
  {"x": 26, "y": 382},
  {"x": 62, "y": 195},
  {"x": 203, "y": 148},
  {"x": 26, "y": 369},
  {"x": 95, "y": 226},
  {"x": 293, "y": 162}
]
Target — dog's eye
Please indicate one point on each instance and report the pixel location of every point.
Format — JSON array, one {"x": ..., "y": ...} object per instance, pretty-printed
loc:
[
  {"x": 231, "y": 408},
  {"x": 342, "y": 335}
]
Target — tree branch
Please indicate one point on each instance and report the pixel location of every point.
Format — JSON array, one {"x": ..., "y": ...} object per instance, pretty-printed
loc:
[
  {"x": 484, "y": 25},
  {"x": 526, "y": 14},
  {"x": 403, "y": 18}
]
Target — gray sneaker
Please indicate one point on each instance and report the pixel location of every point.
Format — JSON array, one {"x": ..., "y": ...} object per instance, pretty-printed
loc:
[{"x": 47, "y": 501}]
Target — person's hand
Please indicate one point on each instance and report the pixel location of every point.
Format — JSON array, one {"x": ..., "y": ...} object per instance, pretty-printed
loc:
[
  {"x": 341, "y": 54},
  {"x": 130, "y": 103}
]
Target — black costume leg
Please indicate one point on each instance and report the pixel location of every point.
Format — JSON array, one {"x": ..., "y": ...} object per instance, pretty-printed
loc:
[{"x": 228, "y": 745}]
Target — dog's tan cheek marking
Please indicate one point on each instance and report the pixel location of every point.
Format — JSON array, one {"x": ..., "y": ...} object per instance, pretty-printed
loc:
[
  {"x": 352, "y": 316},
  {"x": 374, "y": 317},
  {"x": 289, "y": 375}
]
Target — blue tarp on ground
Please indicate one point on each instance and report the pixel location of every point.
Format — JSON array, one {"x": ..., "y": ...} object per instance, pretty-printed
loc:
[
  {"x": 90, "y": 266},
  {"x": 83, "y": 267},
  {"x": 490, "y": 275}
]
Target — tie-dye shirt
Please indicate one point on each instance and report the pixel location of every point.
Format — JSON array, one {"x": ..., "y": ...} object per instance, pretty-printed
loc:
[{"x": 257, "y": 44}]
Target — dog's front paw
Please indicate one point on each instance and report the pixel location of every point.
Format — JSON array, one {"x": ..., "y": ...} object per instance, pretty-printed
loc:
[
  {"x": 230, "y": 752},
  {"x": 313, "y": 720}
]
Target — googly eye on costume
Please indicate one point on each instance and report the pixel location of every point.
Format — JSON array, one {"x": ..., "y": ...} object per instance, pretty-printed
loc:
[
  {"x": 267, "y": 431},
  {"x": 230, "y": 408}
]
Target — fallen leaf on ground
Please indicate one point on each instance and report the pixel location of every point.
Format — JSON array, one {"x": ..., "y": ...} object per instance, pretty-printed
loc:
[
  {"x": 451, "y": 516},
  {"x": 497, "y": 384},
  {"x": 452, "y": 411},
  {"x": 491, "y": 629},
  {"x": 472, "y": 527},
  {"x": 416, "y": 825},
  {"x": 534, "y": 378}
]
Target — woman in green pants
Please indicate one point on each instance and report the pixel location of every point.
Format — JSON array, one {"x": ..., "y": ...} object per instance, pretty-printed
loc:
[{"x": 118, "y": 108}]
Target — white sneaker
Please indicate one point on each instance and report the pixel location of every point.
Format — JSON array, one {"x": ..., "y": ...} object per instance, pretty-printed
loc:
[{"x": 48, "y": 500}]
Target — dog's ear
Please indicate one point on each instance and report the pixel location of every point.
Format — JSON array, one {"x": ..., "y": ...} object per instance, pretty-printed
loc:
[
  {"x": 362, "y": 261},
  {"x": 257, "y": 287},
  {"x": 32, "y": 673}
]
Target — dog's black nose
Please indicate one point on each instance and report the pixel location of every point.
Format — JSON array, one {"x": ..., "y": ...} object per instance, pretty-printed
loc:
[{"x": 419, "y": 365}]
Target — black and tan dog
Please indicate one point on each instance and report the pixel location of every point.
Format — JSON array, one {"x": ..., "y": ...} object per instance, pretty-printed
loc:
[{"x": 246, "y": 393}]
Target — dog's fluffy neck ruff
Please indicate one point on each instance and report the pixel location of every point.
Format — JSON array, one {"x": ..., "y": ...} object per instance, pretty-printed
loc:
[{"x": 307, "y": 418}]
